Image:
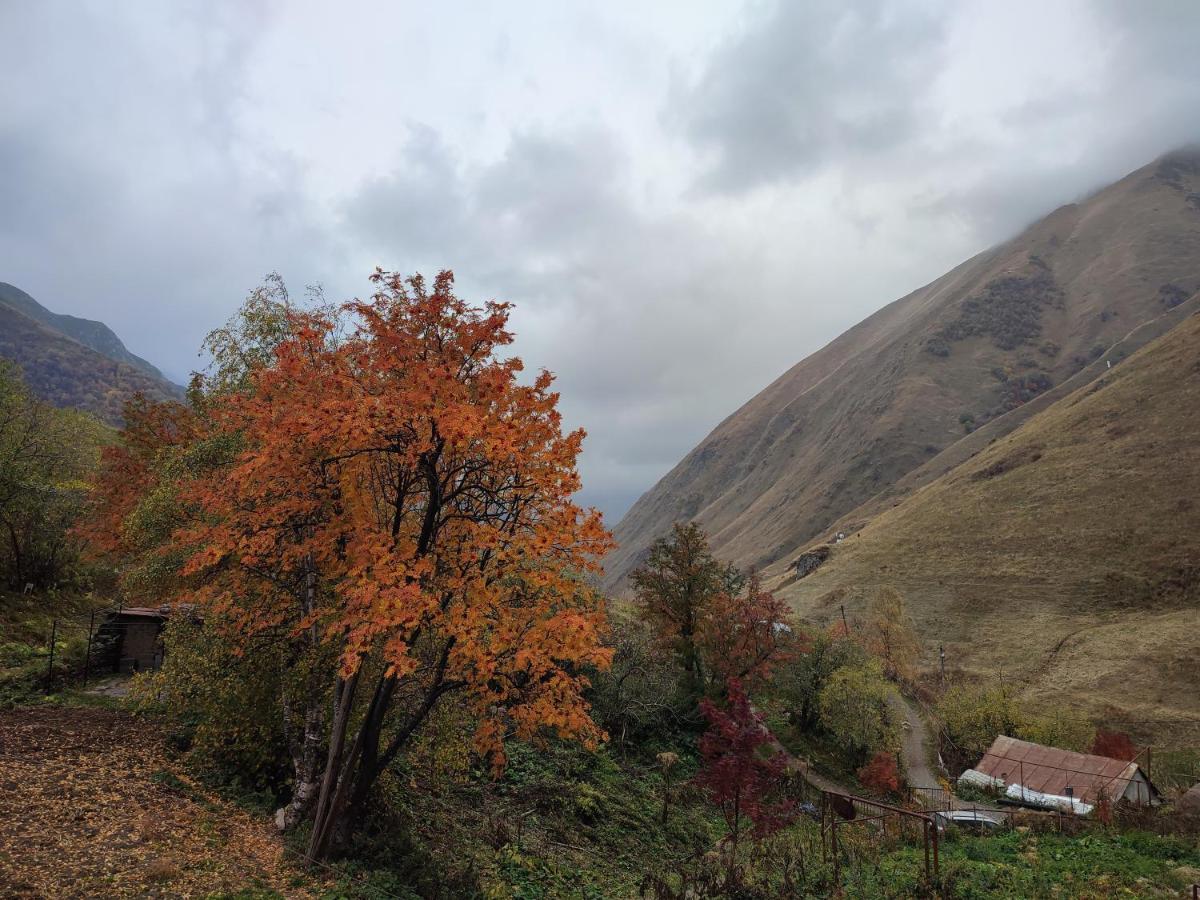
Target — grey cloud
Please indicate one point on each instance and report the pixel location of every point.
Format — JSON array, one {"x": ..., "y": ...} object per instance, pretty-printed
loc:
[
  {"x": 127, "y": 192},
  {"x": 620, "y": 304},
  {"x": 672, "y": 242},
  {"x": 808, "y": 82},
  {"x": 1061, "y": 144}
]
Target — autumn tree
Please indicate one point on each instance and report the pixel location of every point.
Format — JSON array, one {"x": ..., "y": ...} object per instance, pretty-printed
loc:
[
  {"x": 891, "y": 635},
  {"x": 675, "y": 587},
  {"x": 804, "y": 675},
  {"x": 134, "y": 473},
  {"x": 744, "y": 634},
  {"x": 743, "y": 769},
  {"x": 400, "y": 496},
  {"x": 974, "y": 715}
]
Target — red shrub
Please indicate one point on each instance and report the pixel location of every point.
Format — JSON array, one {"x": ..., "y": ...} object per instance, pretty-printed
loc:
[
  {"x": 744, "y": 771},
  {"x": 1113, "y": 744},
  {"x": 880, "y": 774}
]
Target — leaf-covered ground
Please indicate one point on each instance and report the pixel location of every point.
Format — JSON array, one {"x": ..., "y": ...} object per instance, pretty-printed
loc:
[{"x": 92, "y": 807}]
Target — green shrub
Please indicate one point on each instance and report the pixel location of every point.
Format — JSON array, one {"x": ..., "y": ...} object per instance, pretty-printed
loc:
[{"x": 854, "y": 709}]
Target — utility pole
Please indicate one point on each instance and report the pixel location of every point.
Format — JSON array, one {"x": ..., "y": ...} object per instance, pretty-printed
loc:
[
  {"x": 942, "y": 658},
  {"x": 844, "y": 624}
]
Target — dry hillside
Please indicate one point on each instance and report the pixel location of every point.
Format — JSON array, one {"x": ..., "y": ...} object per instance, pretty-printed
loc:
[
  {"x": 912, "y": 380},
  {"x": 1066, "y": 554}
]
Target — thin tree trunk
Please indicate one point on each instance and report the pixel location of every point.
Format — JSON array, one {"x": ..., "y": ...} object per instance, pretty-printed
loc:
[
  {"x": 306, "y": 752},
  {"x": 334, "y": 777},
  {"x": 357, "y": 774},
  {"x": 306, "y": 764}
]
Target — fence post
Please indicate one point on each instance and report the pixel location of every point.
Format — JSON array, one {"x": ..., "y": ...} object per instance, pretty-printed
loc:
[
  {"x": 837, "y": 868},
  {"x": 87, "y": 658},
  {"x": 50, "y": 663},
  {"x": 936, "y": 866}
]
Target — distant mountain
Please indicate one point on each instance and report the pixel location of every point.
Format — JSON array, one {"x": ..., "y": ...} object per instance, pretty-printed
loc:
[
  {"x": 74, "y": 362},
  {"x": 1063, "y": 557},
  {"x": 92, "y": 334},
  {"x": 908, "y": 386}
]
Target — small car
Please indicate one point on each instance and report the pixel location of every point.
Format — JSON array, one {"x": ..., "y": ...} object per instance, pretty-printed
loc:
[{"x": 976, "y": 820}]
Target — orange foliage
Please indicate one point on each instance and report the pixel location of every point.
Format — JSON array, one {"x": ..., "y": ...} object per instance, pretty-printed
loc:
[
  {"x": 127, "y": 470},
  {"x": 400, "y": 494}
]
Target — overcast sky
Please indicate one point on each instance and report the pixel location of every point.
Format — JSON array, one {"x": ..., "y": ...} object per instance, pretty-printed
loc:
[{"x": 682, "y": 198}]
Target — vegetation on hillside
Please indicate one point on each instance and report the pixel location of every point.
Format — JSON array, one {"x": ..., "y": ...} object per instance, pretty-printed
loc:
[
  {"x": 66, "y": 373},
  {"x": 388, "y": 651},
  {"x": 88, "y": 332},
  {"x": 1060, "y": 560}
]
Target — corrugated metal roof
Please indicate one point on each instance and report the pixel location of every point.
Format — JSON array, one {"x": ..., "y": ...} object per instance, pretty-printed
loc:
[
  {"x": 146, "y": 612},
  {"x": 1051, "y": 770}
]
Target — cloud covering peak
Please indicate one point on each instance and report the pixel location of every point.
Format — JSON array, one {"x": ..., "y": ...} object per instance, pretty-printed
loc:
[{"x": 681, "y": 201}]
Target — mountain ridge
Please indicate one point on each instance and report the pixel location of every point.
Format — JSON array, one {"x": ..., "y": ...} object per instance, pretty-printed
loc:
[
  {"x": 903, "y": 385},
  {"x": 66, "y": 371},
  {"x": 89, "y": 332},
  {"x": 1063, "y": 554}
]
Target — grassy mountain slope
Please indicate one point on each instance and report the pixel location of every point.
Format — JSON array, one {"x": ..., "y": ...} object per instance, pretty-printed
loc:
[
  {"x": 90, "y": 333},
  {"x": 64, "y": 372},
  {"x": 904, "y": 385},
  {"x": 1065, "y": 554}
]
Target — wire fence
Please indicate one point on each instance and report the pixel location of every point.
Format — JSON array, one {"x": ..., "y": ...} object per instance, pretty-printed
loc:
[{"x": 77, "y": 650}]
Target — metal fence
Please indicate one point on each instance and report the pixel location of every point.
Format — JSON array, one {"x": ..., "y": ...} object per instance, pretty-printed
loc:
[{"x": 82, "y": 648}]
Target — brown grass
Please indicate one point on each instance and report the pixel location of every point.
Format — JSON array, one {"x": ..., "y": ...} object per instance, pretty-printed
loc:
[{"x": 1065, "y": 555}]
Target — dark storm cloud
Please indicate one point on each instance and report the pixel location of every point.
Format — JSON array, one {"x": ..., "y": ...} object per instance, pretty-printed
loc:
[{"x": 805, "y": 83}]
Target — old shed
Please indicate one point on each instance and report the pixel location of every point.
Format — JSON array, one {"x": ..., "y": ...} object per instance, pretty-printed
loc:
[
  {"x": 132, "y": 637},
  {"x": 1050, "y": 777}
]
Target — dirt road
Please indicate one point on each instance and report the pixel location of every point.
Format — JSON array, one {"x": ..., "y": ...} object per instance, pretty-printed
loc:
[{"x": 917, "y": 745}]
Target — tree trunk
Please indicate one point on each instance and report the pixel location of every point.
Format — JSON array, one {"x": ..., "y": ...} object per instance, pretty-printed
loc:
[
  {"x": 349, "y": 778},
  {"x": 306, "y": 752},
  {"x": 306, "y": 764}
]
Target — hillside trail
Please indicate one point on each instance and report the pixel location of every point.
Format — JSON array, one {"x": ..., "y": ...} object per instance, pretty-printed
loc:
[{"x": 915, "y": 748}]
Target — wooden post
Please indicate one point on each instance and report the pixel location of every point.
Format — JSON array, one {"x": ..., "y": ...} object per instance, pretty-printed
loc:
[
  {"x": 936, "y": 864},
  {"x": 837, "y": 869},
  {"x": 50, "y": 663},
  {"x": 844, "y": 624},
  {"x": 925, "y": 842},
  {"x": 87, "y": 659}
]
